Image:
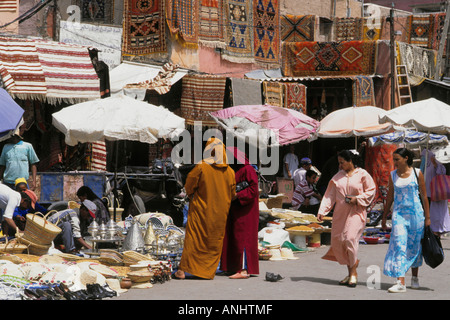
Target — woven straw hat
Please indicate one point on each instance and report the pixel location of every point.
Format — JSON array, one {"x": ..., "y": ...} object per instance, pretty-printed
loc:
[
  {"x": 287, "y": 253},
  {"x": 276, "y": 255},
  {"x": 114, "y": 284}
]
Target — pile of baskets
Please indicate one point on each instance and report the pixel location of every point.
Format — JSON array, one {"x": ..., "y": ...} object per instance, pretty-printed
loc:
[{"x": 38, "y": 234}]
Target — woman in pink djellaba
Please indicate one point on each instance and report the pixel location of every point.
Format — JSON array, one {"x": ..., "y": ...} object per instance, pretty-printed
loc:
[{"x": 348, "y": 194}]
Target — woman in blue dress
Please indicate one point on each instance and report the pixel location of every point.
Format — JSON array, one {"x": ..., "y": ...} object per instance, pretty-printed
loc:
[{"x": 408, "y": 220}]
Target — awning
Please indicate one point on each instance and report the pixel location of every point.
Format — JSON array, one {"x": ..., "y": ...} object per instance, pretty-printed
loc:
[{"x": 133, "y": 79}]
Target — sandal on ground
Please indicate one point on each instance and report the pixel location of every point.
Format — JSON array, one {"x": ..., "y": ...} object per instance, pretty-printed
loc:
[
  {"x": 239, "y": 276},
  {"x": 344, "y": 281},
  {"x": 352, "y": 282}
]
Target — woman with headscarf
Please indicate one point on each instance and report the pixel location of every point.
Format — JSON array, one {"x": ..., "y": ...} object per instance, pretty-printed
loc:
[
  {"x": 349, "y": 193},
  {"x": 210, "y": 187},
  {"x": 440, "y": 219},
  {"x": 240, "y": 246}
]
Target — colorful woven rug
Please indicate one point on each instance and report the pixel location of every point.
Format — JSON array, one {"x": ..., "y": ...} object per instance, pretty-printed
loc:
[
  {"x": 372, "y": 28},
  {"x": 8, "y": 5},
  {"x": 266, "y": 39},
  {"x": 143, "y": 27},
  {"x": 438, "y": 26},
  {"x": 183, "y": 21},
  {"x": 295, "y": 97},
  {"x": 328, "y": 58},
  {"x": 420, "y": 30},
  {"x": 69, "y": 73},
  {"x": 239, "y": 31},
  {"x": 363, "y": 91},
  {"x": 348, "y": 29},
  {"x": 200, "y": 95},
  {"x": 211, "y": 32},
  {"x": 297, "y": 28},
  {"x": 273, "y": 93},
  {"x": 20, "y": 59}
]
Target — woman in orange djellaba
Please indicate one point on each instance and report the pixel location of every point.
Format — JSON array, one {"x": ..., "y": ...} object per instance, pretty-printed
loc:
[
  {"x": 349, "y": 193},
  {"x": 210, "y": 186}
]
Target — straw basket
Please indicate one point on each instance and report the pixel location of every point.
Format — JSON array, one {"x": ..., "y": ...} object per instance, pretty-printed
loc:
[
  {"x": 275, "y": 202},
  {"x": 12, "y": 248},
  {"x": 111, "y": 210},
  {"x": 34, "y": 248},
  {"x": 140, "y": 276},
  {"x": 132, "y": 257},
  {"x": 40, "y": 231}
]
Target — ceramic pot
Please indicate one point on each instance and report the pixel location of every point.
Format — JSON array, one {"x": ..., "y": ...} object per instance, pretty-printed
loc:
[{"x": 126, "y": 283}]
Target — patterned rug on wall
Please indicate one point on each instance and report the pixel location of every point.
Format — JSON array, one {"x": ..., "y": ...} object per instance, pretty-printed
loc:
[
  {"x": 420, "y": 62},
  {"x": 266, "y": 39},
  {"x": 273, "y": 93},
  {"x": 143, "y": 27},
  {"x": 211, "y": 24},
  {"x": 200, "y": 95},
  {"x": 348, "y": 29},
  {"x": 328, "y": 58},
  {"x": 438, "y": 26},
  {"x": 239, "y": 32},
  {"x": 420, "y": 30},
  {"x": 183, "y": 20},
  {"x": 363, "y": 91},
  {"x": 297, "y": 28},
  {"x": 372, "y": 28},
  {"x": 295, "y": 97}
]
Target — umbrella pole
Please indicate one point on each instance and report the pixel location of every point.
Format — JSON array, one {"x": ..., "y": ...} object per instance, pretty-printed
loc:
[
  {"x": 115, "y": 178},
  {"x": 426, "y": 158}
]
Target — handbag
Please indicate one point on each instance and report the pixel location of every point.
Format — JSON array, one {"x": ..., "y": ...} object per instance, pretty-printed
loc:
[
  {"x": 432, "y": 249},
  {"x": 440, "y": 188}
]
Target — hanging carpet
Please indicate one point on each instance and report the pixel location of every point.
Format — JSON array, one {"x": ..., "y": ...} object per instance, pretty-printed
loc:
[
  {"x": 266, "y": 39},
  {"x": 420, "y": 30},
  {"x": 348, "y": 29},
  {"x": 363, "y": 91},
  {"x": 295, "y": 97},
  {"x": 183, "y": 21},
  {"x": 297, "y": 28},
  {"x": 211, "y": 31}
]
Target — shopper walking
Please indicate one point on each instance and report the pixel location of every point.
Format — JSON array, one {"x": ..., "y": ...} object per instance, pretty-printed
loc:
[
  {"x": 348, "y": 194},
  {"x": 406, "y": 190}
]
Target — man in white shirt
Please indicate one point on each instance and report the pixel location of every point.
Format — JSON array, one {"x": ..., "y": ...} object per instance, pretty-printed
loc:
[
  {"x": 290, "y": 163},
  {"x": 9, "y": 201},
  {"x": 299, "y": 174},
  {"x": 306, "y": 198}
]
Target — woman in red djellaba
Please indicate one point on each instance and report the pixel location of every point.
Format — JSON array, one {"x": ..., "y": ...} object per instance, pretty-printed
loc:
[{"x": 240, "y": 247}]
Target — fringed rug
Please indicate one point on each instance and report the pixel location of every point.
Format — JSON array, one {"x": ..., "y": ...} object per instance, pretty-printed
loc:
[
  {"x": 266, "y": 39},
  {"x": 295, "y": 97},
  {"x": 273, "y": 93},
  {"x": 363, "y": 91},
  {"x": 328, "y": 58},
  {"x": 20, "y": 59},
  {"x": 143, "y": 27},
  {"x": 183, "y": 21},
  {"x": 348, "y": 29},
  {"x": 239, "y": 31},
  {"x": 211, "y": 32},
  {"x": 438, "y": 26},
  {"x": 419, "y": 62},
  {"x": 297, "y": 28},
  {"x": 420, "y": 30},
  {"x": 69, "y": 73},
  {"x": 200, "y": 95}
]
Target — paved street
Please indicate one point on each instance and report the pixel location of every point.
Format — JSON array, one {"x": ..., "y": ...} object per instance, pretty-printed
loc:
[{"x": 308, "y": 278}]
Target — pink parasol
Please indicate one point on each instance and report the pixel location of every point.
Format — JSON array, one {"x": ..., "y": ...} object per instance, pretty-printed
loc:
[{"x": 266, "y": 124}]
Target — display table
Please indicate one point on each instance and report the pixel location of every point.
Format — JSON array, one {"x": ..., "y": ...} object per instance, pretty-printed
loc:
[{"x": 96, "y": 241}]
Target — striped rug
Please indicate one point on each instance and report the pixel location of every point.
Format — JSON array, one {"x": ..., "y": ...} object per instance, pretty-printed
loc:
[
  {"x": 202, "y": 94},
  {"x": 8, "y": 5},
  {"x": 20, "y": 59},
  {"x": 69, "y": 73}
]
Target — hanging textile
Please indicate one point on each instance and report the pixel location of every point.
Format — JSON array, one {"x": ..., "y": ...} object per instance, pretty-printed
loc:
[
  {"x": 239, "y": 31},
  {"x": 183, "y": 21},
  {"x": 200, "y": 95},
  {"x": 363, "y": 91},
  {"x": 438, "y": 26},
  {"x": 379, "y": 164},
  {"x": 20, "y": 58},
  {"x": 297, "y": 28},
  {"x": 8, "y": 5},
  {"x": 273, "y": 93},
  {"x": 348, "y": 29},
  {"x": 295, "y": 97},
  {"x": 420, "y": 30},
  {"x": 211, "y": 32},
  {"x": 246, "y": 92},
  {"x": 93, "y": 10},
  {"x": 69, "y": 73},
  {"x": 372, "y": 28},
  {"x": 420, "y": 62},
  {"x": 328, "y": 58},
  {"x": 143, "y": 27},
  {"x": 266, "y": 37}
]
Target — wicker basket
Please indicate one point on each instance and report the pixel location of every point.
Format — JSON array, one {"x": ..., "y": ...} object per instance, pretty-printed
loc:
[
  {"x": 275, "y": 202},
  {"x": 12, "y": 247},
  {"x": 140, "y": 276},
  {"x": 111, "y": 257},
  {"x": 40, "y": 231},
  {"x": 34, "y": 248}
]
